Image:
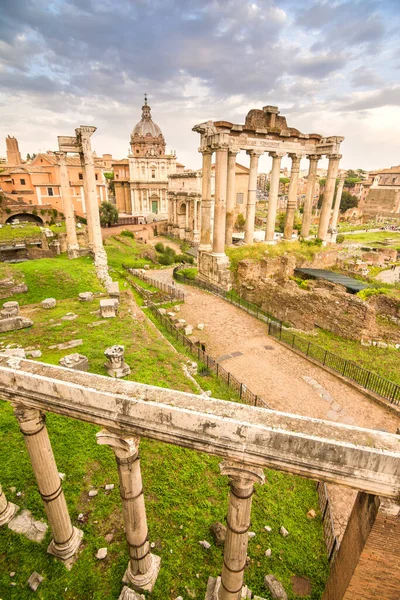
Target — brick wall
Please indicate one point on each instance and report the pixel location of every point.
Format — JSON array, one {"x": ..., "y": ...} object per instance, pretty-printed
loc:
[{"x": 367, "y": 566}]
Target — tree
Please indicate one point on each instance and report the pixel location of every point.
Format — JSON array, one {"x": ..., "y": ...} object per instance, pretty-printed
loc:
[
  {"x": 240, "y": 222},
  {"x": 348, "y": 201},
  {"x": 110, "y": 180},
  {"x": 108, "y": 214}
]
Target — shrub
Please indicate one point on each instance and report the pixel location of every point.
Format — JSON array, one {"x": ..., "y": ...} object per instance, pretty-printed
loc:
[
  {"x": 318, "y": 241},
  {"x": 34, "y": 212},
  {"x": 340, "y": 238},
  {"x": 189, "y": 273},
  {"x": 54, "y": 212},
  {"x": 159, "y": 247},
  {"x": 368, "y": 292},
  {"x": 240, "y": 222},
  {"x": 42, "y": 212},
  {"x": 169, "y": 250},
  {"x": 166, "y": 259},
  {"x": 127, "y": 233},
  {"x": 8, "y": 210}
]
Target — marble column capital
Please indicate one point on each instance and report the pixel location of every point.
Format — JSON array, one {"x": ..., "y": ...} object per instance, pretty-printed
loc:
[
  {"x": 296, "y": 158},
  {"x": 255, "y": 152},
  {"x": 274, "y": 154},
  {"x": 206, "y": 151},
  {"x": 85, "y": 131},
  {"x": 124, "y": 446},
  {"x": 220, "y": 147},
  {"x": 313, "y": 157},
  {"x": 62, "y": 157},
  {"x": 32, "y": 419},
  {"x": 234, "y": 150},
  {"x": 334, "y": 156},
  {"x": 240, "y": 474}
]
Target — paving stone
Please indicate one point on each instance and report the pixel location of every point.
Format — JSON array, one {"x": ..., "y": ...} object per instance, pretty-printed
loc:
[
  {"x": 34, "y": 581},
  {"x": 237, "y": 353},
  {"x": 335, "y": 406},
  {"x": 332, "y": 415},
  {"x": 301, "y": 586},
  {"x": 348, "y": 420},
  {"x": 27, "y": 525},
  {"x": 66, "y": 345}
]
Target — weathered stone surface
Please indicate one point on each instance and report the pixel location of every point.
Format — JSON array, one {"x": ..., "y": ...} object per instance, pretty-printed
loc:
[
  {"x": 128, "y": 594},
  {"x": 301, "y": 586},
  {"x": 162, "y": 311},
  {"x": 14, "y": 323},
  {"x": 49, "y": 303},
  {"x": 101, "y": 553},
  {"x": 86, "y": 296},
  {"x": 116, "y": 365},
  {"x": 34, "y": 581},
  {"x": 206, "y": 545},
  {"x": 108, "y": 309},
  {"x": 275, "y": 587},
  {"x": 109, "y": 486},
  {"x": 66, "y": 345},
  {"x": 93, "y": 493},
  {"x": 10, "y": 309},
  {"x": 200, "y": 326},
  {"x": 25, "y": 523},
  {"x": 69, "y": 317},
  {"x": 268, "y": 528},
  {"x": 218, "y": 532},
  {"x": 188, "y": 329},
  {"x": 33, "y": 353},
  {"x": 113, "y": 289},
  {"x": 311, "y": 514},
  {"x": 268, "y": 552},
  {"x": 76, "y": 361},
  {"x": 284, "y": 532},
  {"x": 19, "y": 352}
]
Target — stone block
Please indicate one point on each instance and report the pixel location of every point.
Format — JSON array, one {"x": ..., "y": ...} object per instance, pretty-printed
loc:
[
  {"x": 275, "y": 587},
  {"x": 28, "y": 526},
  {"x": 218, "y": 532},
  {"x": 128, "y": 594},
  {"x": 86, "y": 296},
  {"x": 200, "y": 326},
  {"x": 188, "y": 329},
  {"x": 162, "y": 311},
  {"x": 116, "y": 365},
  {"x": 113, "y": 289},
  {"x": 69, "y": 317},
  {"x": 75, "y": 361},
  {"x": 108, "y": 309},
  {"x": 10, "y": 309},
  {"x": 19, "y": 352},
  {"x": 66, "y": 345},
  {"x": 14, "y": 323},
  {"x": 34, "y": 581},
  {"x": 49, "y": 303},
  {"x": 33, "y": 353}
]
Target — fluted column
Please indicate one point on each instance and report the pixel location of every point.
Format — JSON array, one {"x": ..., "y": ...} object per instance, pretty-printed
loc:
[
  {"x": 292, "y": 196},
  {"x": 273, "y": 195},
  {"x": 230, "y": 196},
  {"x": 329, "y": 192},
  {"x": 83, "y": 135},
  {"x": 241, "y": 481},
  {"x": 308, "y": 202},
  {"x": 336, "y": 207},
  {"x": 68, "y": 208},
  {"x": 143, "y": 567},
  {"x": 221, "y": 172},
  {"x": 251, "y": 196},
  {"x": 205, "y": 230},
  {"x": 7, "y": 509},
  {"x": 66, "y": 538}
]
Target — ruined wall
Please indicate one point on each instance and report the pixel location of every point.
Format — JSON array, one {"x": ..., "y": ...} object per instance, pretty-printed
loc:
[
  {"x": 324, "y": 305},
  {"x": 382, "y": 201}
]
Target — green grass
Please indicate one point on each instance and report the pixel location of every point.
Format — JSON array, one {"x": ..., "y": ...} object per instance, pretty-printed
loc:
[
  {"x": 304, "y": 250},
  {"x": 194, "y": 499},
  {"x": 8, "y": 233},
  {"x": 374, "y": 239}
]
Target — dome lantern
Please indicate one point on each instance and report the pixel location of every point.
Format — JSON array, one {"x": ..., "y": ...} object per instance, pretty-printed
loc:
[{"x": 147, "y": 138}]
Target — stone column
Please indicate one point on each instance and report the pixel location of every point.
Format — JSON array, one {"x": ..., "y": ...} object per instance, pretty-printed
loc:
[
  {"x": 251, "y": 196},
  {"x": 66, "y": 538},
  {"x": 83, "y": 135},
  {"x": 273, "y": 195},
  {"x": 221, "y": 172},
  {"x": 143, "y": 567},
  {"x": 205, "y": 231},
  {"x": 308, "y": 203},
  {"x": 230, "y": 196},
  {"x": 7, "y": 509},
  {"x": 336, "y": 207},
  {"x": 329, "y": 192},
  {"x": 292, "y": 196},
  {"x": 68, "y": 208},
  {"x": 195, "y": 222},
  {"x": 241, "y": 480}
]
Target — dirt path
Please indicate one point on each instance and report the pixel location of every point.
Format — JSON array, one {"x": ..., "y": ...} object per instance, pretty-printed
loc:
[{"x": 286, "y": 381}]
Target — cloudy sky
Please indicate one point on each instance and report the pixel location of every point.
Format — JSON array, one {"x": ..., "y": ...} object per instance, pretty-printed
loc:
[{"x": 331, "y": 66}]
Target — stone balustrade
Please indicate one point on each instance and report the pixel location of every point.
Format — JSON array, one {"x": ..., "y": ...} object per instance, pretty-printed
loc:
[{"x": 248, "y": 439}]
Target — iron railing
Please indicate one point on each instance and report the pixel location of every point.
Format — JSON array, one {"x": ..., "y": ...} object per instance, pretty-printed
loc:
[{"x": 366, "y": 379}]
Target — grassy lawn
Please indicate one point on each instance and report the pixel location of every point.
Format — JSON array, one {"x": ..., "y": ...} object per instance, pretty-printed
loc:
[
  {"x": 378, "y": 239},
  {"x": 8, "y": 233},
  {"x": 193, "y": 500},
  {"x": 303, "y": 250}
]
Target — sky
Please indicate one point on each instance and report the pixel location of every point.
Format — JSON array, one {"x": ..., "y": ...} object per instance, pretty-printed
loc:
[{"x": 332, "y": 67}]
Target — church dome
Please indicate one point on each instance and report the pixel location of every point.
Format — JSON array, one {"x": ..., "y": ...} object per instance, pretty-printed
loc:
[{"x": 146, "y": 125}]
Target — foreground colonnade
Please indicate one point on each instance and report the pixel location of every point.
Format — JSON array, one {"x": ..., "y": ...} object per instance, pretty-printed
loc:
[
  {"x": 264, "y": 131},
  {"x": 249, "y": 440}
]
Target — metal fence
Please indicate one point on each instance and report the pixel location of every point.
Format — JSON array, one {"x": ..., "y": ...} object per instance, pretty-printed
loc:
[
  {"x": 331, "y": 540},
  {"x": 171, "y": 290},
  {"x": 366, "y": 379}
]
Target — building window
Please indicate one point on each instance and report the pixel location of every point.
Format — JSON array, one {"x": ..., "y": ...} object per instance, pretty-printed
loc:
[
  {"x": 50, "y": 192},
  {"x": 22, "y": 181},
  {"x": 239, "y": 198},
  {"x": 137, "y": 151},
  {"x": 96, "y": 176},
  {"x": 153, "y": 173},
  {"x": 80, "y": 176}
]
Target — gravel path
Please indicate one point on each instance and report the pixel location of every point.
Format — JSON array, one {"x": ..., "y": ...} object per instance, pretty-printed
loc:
[{"x": 286, "y": 381}]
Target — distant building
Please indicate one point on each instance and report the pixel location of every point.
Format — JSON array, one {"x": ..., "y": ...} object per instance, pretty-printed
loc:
[
  {"x": 38, "y": 182},
  {"x": 141, "y": 180},
  {"x": 380, "y": 193},
  {"x": 13, "y": 153}
]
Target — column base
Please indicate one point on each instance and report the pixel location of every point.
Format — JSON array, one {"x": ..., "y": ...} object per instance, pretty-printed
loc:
[
  {"x": 143, "y": 581},
  {"x": 9, "y": 513},
  {"x": 214, "y": 585},
  {"x": 67, "y": 550},
  {"x": 271, "y": 242},
  {"x": 214, "y": 268},
  {"x": 128, "y": 594},
  {"x": 73, "y": 252},
  {"x": 205, "y": 248},
  {"x": 196, "y": 237}
]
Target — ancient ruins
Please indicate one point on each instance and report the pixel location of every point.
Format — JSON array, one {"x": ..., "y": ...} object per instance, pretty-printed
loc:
[{"x": 263, "y": 131}]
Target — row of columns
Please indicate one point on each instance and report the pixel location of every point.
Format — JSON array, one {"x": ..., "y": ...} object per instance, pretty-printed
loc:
[
  {"x": 143, "y": 566},
  {"x": 225, "y": 167}
]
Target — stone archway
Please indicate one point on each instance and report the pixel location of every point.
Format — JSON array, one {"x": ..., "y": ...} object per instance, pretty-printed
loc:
[{"x": 31, "y": 218}]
